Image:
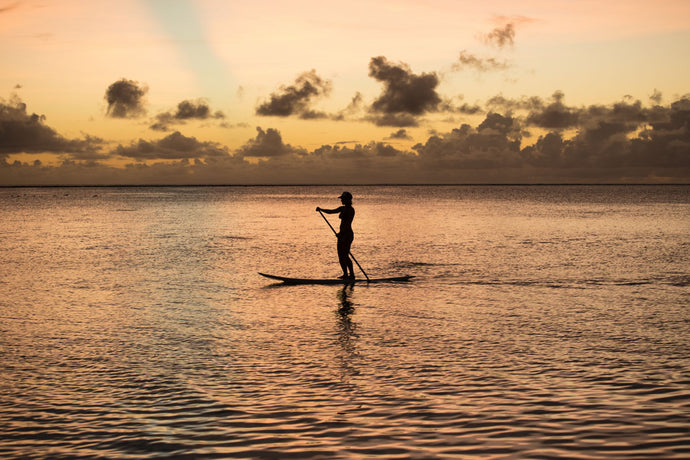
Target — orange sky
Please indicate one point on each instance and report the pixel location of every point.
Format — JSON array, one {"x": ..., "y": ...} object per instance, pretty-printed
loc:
[{"x": 242, "y": 68}]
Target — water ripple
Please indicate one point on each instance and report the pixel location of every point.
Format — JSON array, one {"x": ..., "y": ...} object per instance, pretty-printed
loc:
[{"x": 135, "y": 326}]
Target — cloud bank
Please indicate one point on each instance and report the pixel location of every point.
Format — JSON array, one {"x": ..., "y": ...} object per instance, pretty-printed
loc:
[
  {"x": 266, "y": 144},
  {"x": 519, "y": 140},
  {"x": 621, "y": 142},
  {"x": 175, "y": 146}
]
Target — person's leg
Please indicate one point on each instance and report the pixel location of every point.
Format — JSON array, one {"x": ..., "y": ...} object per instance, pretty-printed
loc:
[{"x": 343, "y": 256}]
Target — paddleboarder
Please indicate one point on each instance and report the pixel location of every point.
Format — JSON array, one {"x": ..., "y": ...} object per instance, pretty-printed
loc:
[{"x": 345, "y": 235}]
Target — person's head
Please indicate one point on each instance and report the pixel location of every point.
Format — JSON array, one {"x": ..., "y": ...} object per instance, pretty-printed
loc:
[{"x": 346, "y": 197}]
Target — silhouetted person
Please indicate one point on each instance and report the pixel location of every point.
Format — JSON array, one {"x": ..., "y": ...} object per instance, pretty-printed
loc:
[{"x": 345, "y": 235}]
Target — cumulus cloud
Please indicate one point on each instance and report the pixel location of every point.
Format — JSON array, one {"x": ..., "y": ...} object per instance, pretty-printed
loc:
[
  {"x": 606, "y": 139},
  {"x": 400, "y": 120},
  {"x": 501, "y": 37},
  {"x": 554, "y": 115},
  {"x": 21, "y": 132},
  {"x": 499, "y": 102},
  {"x": 460, "y": 107},
  {"x": 467, "y": 60},
  {"x": 495, "y": 143},
  {"x": 195, "y": 109},
  {"x": 371, "y": 163},
  {"x": 125, "y": 99},
  {"x": 175, "y": 146},
  {"x": 667, "y": 138},
  {"x": 370, "y": 150},
  {"x": 656, "y": 97},
  {"x": 400, "y": 134},
  {"x": 620, "y": 140},
  {"x": 296, "y": 99},
  {"x": 405, "y": 95},
  {"x": 267, "y": 143},
  {"x": 625, "y": 141},
  {"x": 186, "y": 110}
]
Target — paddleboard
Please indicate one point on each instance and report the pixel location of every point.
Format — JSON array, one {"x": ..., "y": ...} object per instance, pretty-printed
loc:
[{"x": 287, "y": 280}]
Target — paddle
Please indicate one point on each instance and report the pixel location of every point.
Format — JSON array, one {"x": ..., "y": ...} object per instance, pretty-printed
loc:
[{"x": 353, "y": 257}]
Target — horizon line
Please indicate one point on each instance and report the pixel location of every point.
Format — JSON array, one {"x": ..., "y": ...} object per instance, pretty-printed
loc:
[{"x": 497, "y": 184}]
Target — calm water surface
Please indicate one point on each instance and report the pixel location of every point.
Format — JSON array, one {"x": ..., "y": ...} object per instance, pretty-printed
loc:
[{"x": 544, "y": 322}]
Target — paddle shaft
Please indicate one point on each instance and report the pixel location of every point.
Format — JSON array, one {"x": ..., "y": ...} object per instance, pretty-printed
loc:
[{"x": 353, "y": 257}]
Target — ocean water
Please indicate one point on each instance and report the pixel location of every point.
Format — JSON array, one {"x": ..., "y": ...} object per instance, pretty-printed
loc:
[{"x": 543, "y": 322}]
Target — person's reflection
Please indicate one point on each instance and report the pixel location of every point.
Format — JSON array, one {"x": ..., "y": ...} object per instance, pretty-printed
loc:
[{"x": 347, "y": 333}]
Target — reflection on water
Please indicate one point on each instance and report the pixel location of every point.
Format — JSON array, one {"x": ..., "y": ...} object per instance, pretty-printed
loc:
[
  {"x": 544, "y": 322},
  {"x": 347, "y": 332}
]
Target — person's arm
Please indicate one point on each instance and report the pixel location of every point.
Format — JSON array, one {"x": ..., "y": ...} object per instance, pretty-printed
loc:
[{"x": 330, "y": 211}]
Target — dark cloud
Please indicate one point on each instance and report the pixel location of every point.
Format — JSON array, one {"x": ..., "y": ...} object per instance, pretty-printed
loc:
[
  {"x": 624, "y": 142},
  {"x": 497, "y": 124},
  {"x": 400, "y": 120},
  {"x": 375, "y": 162},
  {"x": 501, "y": 36},
  {"x": 405, "y": 94},
  {"x": 175, "y": 146},
  {"x": 462, "y": 108},
  {"x": 666, "y": 141},
  {"x": 555, "y": 115},
  {"x": 371, "y": 163},
  {"x": 296, "y": 99},
  {"x": 371, "y": 150},
  {"x": 21, "y": 132},
  {"x": 500, "y": 102},
  {"x": 628, "y": 114},
  {"x": 467, "y": 60},
  {"x": 400, "y": 134},
  {"x": 186, "y": 110},
  {"x": 195, "y": 109},
  {"x": 656, "y": 97},
  {"x": 495, "y": 143},
  {"x": 267, "y": 143},
  {"x": 125, "y": 99},
  {"x": 621, "y": 140},
  {"x": 606, "y": 140}
]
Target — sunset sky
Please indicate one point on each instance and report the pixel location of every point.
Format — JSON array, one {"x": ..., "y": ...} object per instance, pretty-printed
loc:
[{"x": 306, "y": 91}]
